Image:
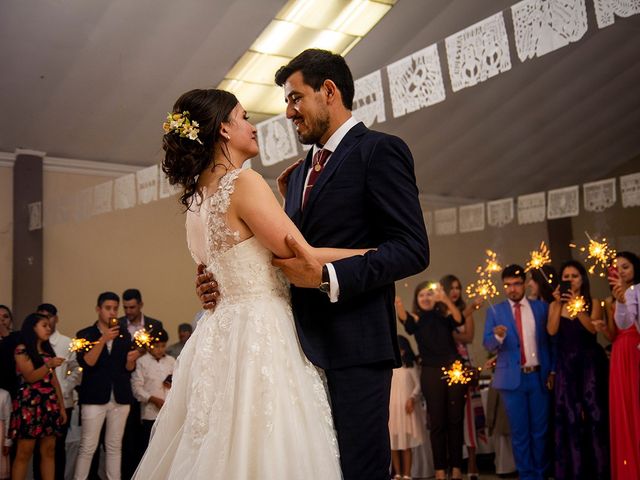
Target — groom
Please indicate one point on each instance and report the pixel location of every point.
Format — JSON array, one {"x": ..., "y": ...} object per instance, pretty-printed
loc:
[{"x": 355, "y": 189}]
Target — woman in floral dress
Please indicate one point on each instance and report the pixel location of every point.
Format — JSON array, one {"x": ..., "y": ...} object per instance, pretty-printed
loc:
[{"x": 38, "y": 409}]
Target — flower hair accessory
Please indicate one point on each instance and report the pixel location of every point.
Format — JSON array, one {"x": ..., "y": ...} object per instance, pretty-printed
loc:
[{"x": 181, "y": 124}]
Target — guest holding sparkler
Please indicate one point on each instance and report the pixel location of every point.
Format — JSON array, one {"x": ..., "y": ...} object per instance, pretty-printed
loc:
[
  {"x": 624, "y": 378},
  {"x": 463, "y": 335},
  {"x": 515, "y": 330},
  {"x": 433, "y": 320},
  {"x": 105, "y": 391},
  {"x": 581, "y": 417},
  {"x": 38, "y": 409}
]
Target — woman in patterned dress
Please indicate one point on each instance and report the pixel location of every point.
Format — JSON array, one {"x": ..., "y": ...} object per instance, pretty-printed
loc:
[{"x": 38, "y": 409}]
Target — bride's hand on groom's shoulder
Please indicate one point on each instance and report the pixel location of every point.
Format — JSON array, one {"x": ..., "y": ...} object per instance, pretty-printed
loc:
[
  {"x": 283, "y": 178},
  {"x": 206, "y": 288}
]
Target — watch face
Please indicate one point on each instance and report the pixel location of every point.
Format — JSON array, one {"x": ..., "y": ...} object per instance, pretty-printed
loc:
[{"x": 324, "y": 287}]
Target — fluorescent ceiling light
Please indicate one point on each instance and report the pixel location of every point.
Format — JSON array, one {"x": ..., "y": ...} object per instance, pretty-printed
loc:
[{"x": 335, "y": 25}]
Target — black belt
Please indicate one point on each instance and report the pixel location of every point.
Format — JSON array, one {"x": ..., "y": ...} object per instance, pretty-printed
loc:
[{"x": 530, "y": 369}]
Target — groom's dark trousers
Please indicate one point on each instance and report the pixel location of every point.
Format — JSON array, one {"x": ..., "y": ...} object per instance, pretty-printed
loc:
[{"x": 365, "y": 197}]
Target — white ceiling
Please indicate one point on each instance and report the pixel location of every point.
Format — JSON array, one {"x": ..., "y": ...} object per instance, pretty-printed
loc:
[{"x": 93, "y": 80}]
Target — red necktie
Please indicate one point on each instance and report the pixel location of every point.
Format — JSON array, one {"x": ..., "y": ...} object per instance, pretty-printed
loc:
[
  {"x": 319, "y": 159},
  {"x": 518, "y": 315}
]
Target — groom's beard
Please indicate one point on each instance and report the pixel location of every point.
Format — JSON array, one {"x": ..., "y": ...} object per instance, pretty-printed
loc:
[{"x": 317, "y": 127}]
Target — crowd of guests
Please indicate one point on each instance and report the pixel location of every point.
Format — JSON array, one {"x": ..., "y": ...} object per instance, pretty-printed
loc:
[
  {"x": 572, "y": 413},
  {"x": 569, "y": 411},
  {"x": 113, "y": 384}
]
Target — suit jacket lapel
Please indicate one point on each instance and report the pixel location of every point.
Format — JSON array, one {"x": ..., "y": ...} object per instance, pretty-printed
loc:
[{"x": 347, "y": 144}]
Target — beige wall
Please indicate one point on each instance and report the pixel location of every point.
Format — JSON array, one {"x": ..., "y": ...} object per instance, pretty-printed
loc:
[
  {"x": 143, "y": 247},
  {"x": 6, "y": 234}
]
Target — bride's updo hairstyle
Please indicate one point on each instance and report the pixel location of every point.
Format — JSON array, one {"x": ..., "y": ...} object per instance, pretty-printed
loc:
[{"x": 186, "y": 158}]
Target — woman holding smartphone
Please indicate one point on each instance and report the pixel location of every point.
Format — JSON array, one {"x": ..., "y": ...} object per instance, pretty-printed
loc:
[
  {"x": 624, "y": 378},
  {"x": 581, "y": 417}
]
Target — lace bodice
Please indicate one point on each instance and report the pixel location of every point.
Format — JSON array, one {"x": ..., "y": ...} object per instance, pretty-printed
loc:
[{"x": 242, "y": 268}]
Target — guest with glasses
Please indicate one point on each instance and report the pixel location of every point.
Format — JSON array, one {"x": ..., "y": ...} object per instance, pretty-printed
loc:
[{"x": 516, "y": 331}]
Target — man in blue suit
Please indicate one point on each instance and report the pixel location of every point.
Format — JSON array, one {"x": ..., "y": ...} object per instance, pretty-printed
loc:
[{"x": 516, "y": 330}]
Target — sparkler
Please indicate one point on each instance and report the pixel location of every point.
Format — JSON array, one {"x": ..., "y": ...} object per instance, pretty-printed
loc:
[
  {"x": 80, "y": 344},
  {"x": 576, "y": 305},
  {"x": 458, "y": 373},
  {"x": 599, "y": 253},
  {"x": 491, "y": 264},
  {"x": 143, "y": 339},
  {"x": 539, "y": 258},
  {"x": 484, "y": 288},
  {"x": 432, "y": 286}
]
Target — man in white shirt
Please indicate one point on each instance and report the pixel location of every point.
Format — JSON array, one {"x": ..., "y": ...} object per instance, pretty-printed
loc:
[
  {"x": 69, "y": 375},
  {"x": 151, "y": 381}
]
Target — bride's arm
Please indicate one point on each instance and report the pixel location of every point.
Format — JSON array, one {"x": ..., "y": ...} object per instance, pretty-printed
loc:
[{"x": 256, "y": 205}]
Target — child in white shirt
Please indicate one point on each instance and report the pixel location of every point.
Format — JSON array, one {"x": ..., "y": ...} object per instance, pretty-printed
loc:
[{"x": 151, "y": 381}]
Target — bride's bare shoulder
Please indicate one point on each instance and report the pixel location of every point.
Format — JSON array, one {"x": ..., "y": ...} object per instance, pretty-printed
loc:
[{"x": 250, "y": 181}]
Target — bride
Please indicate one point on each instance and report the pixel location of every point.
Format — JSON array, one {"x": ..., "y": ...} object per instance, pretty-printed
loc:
[{"x": 245, "y": 402}]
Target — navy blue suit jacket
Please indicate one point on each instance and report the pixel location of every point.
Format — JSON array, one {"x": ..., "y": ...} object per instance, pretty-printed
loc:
[
  {"x": 508, "y": 368},
  {"x": 366, "y": 197}
]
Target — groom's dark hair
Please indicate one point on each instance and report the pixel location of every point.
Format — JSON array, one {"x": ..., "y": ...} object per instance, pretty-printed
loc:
[{"x": 317, "y": 66}]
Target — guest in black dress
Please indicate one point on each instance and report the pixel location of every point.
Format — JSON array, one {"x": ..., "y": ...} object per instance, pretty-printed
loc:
[{"x": 433, "y": 320}]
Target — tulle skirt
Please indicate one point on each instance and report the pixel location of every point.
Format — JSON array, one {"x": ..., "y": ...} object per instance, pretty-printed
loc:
[{"x": 245, "y": 403}]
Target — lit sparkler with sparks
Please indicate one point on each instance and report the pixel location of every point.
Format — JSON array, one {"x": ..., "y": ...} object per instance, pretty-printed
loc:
[
  {"x": 458, "y": 374},
  {"x": 539, "y": 258},
  {"x": 484, "y": 288},
  {"x": 143, "y": 339},
  {"x": 80, "y": 344},
  {"x": 599, "y": 254},
  {"x": 491, "y": 264},
  {"x": 576, "y": 305}
]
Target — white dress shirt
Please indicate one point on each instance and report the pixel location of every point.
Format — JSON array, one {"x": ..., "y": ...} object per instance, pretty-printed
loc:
[
  {"x": 134, "y": 327},
  {"x": 331, "y": 145},
  {"x": 528, "y": 332},
  {"x": 147, "y": 381},
  {"x": 69, "y": 374}
]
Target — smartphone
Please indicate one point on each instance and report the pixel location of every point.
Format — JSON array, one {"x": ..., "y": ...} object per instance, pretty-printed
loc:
[
  {"x": 113, "y": 322},
  {"x": 565, "y": 286},
  {"x": 612, "y": 272}
]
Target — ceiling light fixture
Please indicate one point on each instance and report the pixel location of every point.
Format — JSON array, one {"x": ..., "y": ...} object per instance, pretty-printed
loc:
[{"x": 335, "y": 25}]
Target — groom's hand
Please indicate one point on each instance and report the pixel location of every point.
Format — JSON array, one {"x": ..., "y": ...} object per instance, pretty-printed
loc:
[
  {"x": 302, "y": 270},
  {"x": 206, "y": 288}
]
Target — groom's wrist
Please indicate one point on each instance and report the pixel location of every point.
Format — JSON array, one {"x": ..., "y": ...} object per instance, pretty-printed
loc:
[{"x": 325, "y": 282}]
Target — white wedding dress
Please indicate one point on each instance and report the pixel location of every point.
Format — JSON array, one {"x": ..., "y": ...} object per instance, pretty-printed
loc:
[{"x": 245, "y": 402}]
